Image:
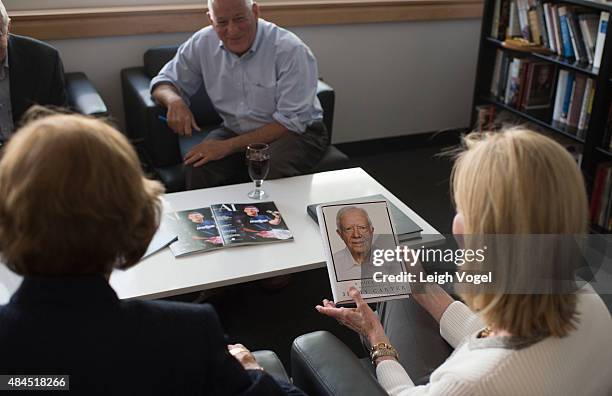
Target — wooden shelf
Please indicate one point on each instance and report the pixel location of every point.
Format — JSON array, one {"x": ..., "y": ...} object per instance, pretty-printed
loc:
[
  {"x": 591, "y": 4},
  {"x": 580, "y": 67},
  {"x": 530, "y": 117}
]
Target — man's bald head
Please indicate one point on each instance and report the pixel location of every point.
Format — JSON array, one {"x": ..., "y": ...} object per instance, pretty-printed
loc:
[{"x": 247, "y": 3}]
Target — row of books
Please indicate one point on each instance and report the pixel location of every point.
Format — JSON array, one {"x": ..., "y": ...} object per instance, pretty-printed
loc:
[
  {"x": 601, "y": 200},
  {"x": 491, "y": 119},
  {"x": 573, "y": 102},
  {"x": 522, "y": 83},
  {"x": 569, "y": 31}
]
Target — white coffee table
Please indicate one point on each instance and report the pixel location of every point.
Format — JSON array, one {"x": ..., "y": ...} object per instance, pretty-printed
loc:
[{"x": 163, "y": 275}]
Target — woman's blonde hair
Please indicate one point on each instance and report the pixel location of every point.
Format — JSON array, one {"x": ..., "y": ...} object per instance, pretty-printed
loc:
[
  {"x": 520, "y": 182},
  {"x": 73, "y": 199}
]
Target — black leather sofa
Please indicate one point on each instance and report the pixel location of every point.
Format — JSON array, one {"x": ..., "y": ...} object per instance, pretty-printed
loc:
[
  {"x": 158, "y": 146},
  {"x": 83, "y": 97}
]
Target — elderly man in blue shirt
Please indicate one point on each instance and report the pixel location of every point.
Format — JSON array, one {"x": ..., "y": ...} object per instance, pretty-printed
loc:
[{"x": 262, "y": 81}]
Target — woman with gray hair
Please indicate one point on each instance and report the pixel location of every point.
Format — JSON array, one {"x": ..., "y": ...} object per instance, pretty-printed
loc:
[{"x": 74, "y": 205}]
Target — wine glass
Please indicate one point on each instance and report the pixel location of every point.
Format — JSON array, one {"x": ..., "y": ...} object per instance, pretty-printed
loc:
[{"x": 258, "y": 159}]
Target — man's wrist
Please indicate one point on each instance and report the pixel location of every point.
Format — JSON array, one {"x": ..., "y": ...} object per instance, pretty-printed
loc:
[{"x": 234, "y": 145}]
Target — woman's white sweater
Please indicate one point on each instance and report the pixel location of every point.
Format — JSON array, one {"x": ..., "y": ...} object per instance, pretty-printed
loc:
[{"x": 578, "y": 364}]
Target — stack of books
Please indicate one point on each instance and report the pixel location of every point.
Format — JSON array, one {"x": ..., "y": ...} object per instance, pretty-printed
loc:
[
  {"x": 601, "y": 200},
  {"x": 573, "y": 102},
  {"x": 569, "y": 31}
]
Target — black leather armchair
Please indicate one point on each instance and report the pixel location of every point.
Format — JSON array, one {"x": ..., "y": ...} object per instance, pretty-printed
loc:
[
  {"x": 83, "y": 97},
  {"x": 321, "y": 365},
  {"x": 158, "y": 146},
  {"x": 272, "y": 364}
]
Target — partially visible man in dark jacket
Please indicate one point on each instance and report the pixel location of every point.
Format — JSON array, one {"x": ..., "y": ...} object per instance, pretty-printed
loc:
[{"x": 31, "y": 72}]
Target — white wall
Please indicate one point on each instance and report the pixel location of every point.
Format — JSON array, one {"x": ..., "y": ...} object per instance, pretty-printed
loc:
[
  {"x": 390, "y": 79},
  {"x": 19, "y": 5}
]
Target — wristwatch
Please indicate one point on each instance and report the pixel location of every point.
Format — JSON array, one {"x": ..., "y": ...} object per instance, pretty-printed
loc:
[{"x": 382, "y": 349}]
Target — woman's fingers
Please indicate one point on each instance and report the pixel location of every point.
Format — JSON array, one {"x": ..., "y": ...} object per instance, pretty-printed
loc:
[{"x": 356, "y": 296}]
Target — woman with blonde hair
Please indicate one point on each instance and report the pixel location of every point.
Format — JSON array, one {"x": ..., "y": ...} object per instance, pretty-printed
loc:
[
  {"x": 74, "y": 205},
  {"x": 506, "y": 340}
]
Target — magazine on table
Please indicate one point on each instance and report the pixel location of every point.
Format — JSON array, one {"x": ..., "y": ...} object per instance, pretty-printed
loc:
[
  {"x": 355, "y": 236},
  {"x": 226, "y": 225}
]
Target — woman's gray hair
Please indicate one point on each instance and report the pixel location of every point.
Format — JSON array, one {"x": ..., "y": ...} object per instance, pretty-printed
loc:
[
  {"x": 5, "y": 18},
  {"x": 248, "y": 3}
]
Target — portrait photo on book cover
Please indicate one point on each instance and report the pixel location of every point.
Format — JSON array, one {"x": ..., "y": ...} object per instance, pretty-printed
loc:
[{"x": 355, "y": 233}]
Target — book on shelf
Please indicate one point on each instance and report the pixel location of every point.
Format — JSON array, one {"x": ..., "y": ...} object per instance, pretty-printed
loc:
[
  {"x": 601, "y": 38},
  {"x": 601, "y": 199},
  {"x": 555, "y": 26},
  {"x": 534, "y": 26},
  {"x": 560, "y": 95},
  {"x": 573, "y": 32},
  {"x": 522, "y": 7},
  {"x": 566, "y": 39},
  {"x": 548, "y": 24},
  {"x": 405, "y": 228},
  {"x": 353, "y": 236},
  {"x": 513, "y": 84},
  {"x": 585, "y": 108},
  {"x": 573, "y": 103},
  {"x": 588, "y": 26},
  {"x": 226, "y": 225},
  {"x": 514, "y": 27},
  {"x": 538, "y": 85}
]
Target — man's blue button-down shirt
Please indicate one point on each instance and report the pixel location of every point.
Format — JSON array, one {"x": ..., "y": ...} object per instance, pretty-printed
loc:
[{"x": 276, "y": 80}]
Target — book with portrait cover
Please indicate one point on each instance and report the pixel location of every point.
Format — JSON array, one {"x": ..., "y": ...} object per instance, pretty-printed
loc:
[
  {"x": 355, "y": 237},
  {"x": 226, "y": 225}
]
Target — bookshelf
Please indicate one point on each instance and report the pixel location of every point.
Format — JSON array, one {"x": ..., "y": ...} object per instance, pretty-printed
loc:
[{"x": 592, "y": 137}]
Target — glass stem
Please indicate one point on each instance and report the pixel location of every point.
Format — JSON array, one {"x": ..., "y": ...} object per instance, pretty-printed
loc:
[{"x": 258, "y": 184}]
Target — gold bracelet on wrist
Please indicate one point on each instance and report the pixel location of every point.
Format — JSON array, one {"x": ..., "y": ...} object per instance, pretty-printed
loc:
[{"x": 382, "y": 349}]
